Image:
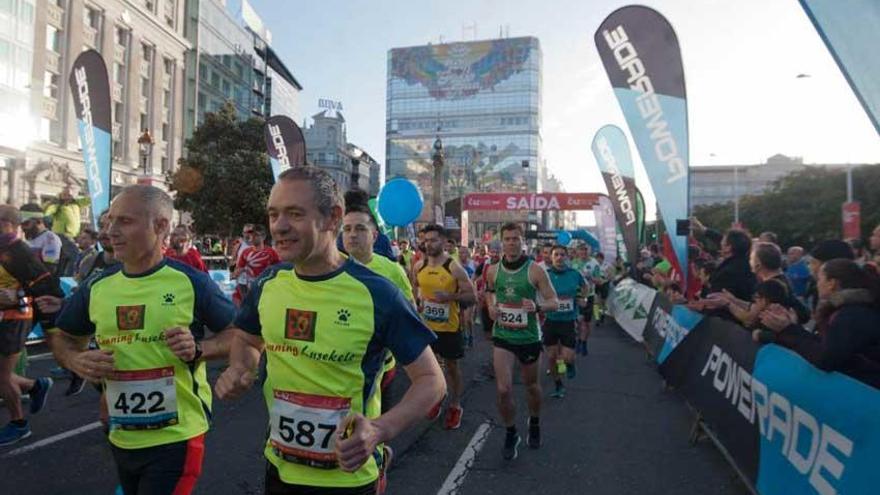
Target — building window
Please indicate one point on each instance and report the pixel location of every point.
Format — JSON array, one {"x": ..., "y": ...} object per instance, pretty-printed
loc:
[
  {"x": 215, "y": 80},
  {"x": 168, "y": 66},
  {"x": 50, "y": 85},
  {"x": 145, "y": 124},
  {"x": 53, "y": 39},
  {"x": 170, "y": 12},
  {"x": 121, "y": 36},
  {"x": 119, "y": 73},
  {"x": 145, "y": 87},
  {"x": 50, "y": 130},
  {"x": 166, "y": 99},
  {"x": 165, "y": 132},
  {"x": 118, "y": 149},
  {"x": 92, "y": 17},
  {"x": 150, "y": 5},
  {"x": 117, "y": 112}
]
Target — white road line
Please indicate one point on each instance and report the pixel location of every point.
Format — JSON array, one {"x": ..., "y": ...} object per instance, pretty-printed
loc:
[
  {"x": 459, "y": 471},
  {"x": 53, "y": 439}
]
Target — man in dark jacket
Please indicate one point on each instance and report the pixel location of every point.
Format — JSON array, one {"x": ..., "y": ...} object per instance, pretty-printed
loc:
[{"x": 734, "y": 274}]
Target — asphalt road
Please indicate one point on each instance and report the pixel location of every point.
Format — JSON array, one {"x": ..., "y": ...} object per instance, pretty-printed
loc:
[{"x": 617, "y": 432}]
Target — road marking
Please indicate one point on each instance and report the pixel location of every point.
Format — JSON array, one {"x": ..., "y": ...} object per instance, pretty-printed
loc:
[
  {"x": 459, "y": 471},
  {"x": 53, "y": 439}
]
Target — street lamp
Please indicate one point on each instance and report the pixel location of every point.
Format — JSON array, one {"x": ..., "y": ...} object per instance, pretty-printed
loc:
[
  {"x": 437, "y": 185},
  {"x": 355, "y": 155},
  {"x": 145, "y": 148}
]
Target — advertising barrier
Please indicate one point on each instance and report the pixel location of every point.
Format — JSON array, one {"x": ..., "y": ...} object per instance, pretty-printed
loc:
[{"x": 786, "y": 426}]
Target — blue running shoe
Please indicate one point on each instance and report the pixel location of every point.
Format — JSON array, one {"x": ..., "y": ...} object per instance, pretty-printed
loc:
[
  {"x": 40, "y": 394},
  {"x": 11, "y": 433}
]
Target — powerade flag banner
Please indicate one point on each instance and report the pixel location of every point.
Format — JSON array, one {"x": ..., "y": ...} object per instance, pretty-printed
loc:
[
  {"x": 286, "y": 144},
  {"x": 849, "y": 30},
  {"x": 640, "y": 216},
  {"x": 615, "y": 163},
  {"x": 642, "y": 58},
  {"x": 91, "y": 101},
  {"x": 606, "y": 228}
]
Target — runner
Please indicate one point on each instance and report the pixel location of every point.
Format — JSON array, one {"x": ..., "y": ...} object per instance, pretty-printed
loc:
[
  {"x": 359, "y": 234},
  {"x": 606, "y": 274},
  {"x": 22, "y": 277},
  {"x": 592, "y": 273},
  {"x": 252, "y": 263},
  {"x": 148, "y": 314},
  {"x": 561, "y": 326},
  {"x": 467, "y": 313},
  {"x": 514, "y": 285},
  {"x": 325, "y": 326},
  {"x": 181, "y": 249},
  {"x": 443, "y": 287}
]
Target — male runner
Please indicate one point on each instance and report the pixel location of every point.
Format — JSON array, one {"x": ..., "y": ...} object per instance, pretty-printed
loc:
[
  {"x": 359, "y": 234},
  {"x": 444, "y": 286},
  {"x": 560, "y": 329},
  {"x": 514, "y": 286},
  {"x": 591, "y": 270},
  {"x": 147, "y": 315},
  {"x": 325, "y": 322}
]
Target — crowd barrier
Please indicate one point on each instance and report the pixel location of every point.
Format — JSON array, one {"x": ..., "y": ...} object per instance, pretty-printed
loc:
[{"x": 785, "y": 426}]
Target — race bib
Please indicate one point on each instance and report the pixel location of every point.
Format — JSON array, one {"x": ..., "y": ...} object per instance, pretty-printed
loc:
[
  {"x": 303, "y": 427},
  {"x": 566, "y": 305},
  {"x": 435, "y": 311},
  {"x": 514, "y": 317},
  {"x": 142, "y": 399}
]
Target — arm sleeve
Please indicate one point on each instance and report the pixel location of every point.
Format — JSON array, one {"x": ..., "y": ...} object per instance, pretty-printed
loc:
[
  {"x": 213, "y": 309},
  {"x": 74, "y": 315}
]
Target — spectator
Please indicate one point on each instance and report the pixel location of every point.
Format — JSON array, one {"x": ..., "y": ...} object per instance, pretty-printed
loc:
[
  {"x": 768, "y": 292},
  {"x": 768, "y": 237},
  {"x": 64, "y": 211},
  {"x": 848, "y": 320},
  {"x": 798, "y": 272},
  {"x": 86, "y": 241},
  {"x": 822, "y": 252},
  {"x": 861, "y": 254},
  {"x": 766, "y": 262},
  {"x": 734, "y": 274},
  {"x": 181, "y": 249},
  {"x": 704, "y": 270},
  {"x": 875, "y": 244},
  {"x": 43, "y": 242},
  {"x": 252, "y": 263}
]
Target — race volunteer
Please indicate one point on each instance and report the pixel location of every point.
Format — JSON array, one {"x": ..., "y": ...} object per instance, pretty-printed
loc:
[
  {"x": 325, "y": 326},
  {"x": 147, "y": 314},
  {"x": 514, "y": 286},
  {"x": 443, "y": 287},
  {"x": 359, "y": 234},
  {"x": 560, "y": 328}
]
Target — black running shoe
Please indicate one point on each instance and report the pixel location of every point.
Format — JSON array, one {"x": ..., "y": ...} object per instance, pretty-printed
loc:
[
  {"x": 534, "y": 438},
  {"x": 511, "y": 443},
  {"x": 76, "y": 385}
]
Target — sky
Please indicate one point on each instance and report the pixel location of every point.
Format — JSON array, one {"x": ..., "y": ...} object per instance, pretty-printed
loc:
[{"x": 741, "y": 60}]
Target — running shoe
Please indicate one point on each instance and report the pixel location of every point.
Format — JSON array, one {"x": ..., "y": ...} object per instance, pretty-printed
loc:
[
  {"x": 434, "y": 413},
  {"x": 11, "y": 433},
  {"x": 511, "y": 444},
  {"x": 40, "y": 394},
  {"x": 76, "y": 385},
  {"x": 559, "y": 393},
  {"x": 453, "y": 418},
  {"x": 534, "y": 438},
  {"x": 570, "y": 370}
]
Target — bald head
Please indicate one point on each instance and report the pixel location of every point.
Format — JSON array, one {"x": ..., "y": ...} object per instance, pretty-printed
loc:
[{"x": 794, "y": 254}]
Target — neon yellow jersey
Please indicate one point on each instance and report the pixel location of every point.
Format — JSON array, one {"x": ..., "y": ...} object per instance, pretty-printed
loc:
[
  {"x": 326, "y": 338},
  {"x": 393, "y": 272},
  {"x": 153, "y": 398}
]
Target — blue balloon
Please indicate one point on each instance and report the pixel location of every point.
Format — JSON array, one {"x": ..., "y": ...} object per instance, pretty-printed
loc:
[
  {"x": 563, "y": 238},
  {"x": 400, "y": 202}
]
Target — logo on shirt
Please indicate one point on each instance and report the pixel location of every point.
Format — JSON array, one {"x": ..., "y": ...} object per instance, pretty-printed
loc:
[
  {"x": 130, "y": 317},
  {"x": 168, "y": 299},
  {"x": 300, "y": 325},
  {"x": 342, "y": 317},
  {"x": 509, "y": 291}
]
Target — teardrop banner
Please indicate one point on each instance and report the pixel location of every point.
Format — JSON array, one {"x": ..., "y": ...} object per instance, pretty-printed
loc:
[
  {"x": 642, "y": 58},
  {"x": 615, "y": 162},
  {"x": 91, "y": 102},
  {"x": 286, "y": 144}
]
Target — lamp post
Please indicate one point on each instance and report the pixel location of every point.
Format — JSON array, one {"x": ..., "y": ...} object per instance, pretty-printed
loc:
[
  {"x": 355, "y": 155},
  {"x": 145, "y": 148},
  {"x": 437, "y": 183}
]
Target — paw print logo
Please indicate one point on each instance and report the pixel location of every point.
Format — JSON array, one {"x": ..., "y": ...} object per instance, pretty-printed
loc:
[
  {"x": 343, "y": 315},
  {"x": 168, "y": 298}
]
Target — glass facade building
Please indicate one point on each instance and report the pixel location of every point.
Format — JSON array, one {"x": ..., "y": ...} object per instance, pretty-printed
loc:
[
  {"x": 16, "y": 62},
  {"x": 483, "y": 99}
]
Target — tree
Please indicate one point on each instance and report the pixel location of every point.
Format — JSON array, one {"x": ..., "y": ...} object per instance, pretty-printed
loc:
[
  {"x": 803, "y": 207},
  {"x": 225, "y": 179}
]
